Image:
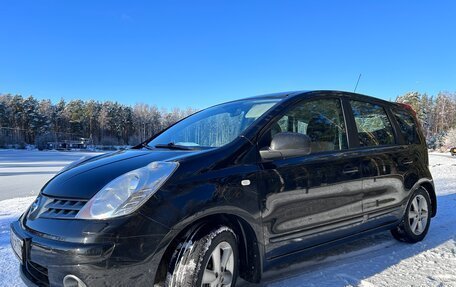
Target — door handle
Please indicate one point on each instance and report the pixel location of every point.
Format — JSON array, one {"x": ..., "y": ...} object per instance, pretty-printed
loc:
[
  {"x": 350, "y": 170},
  {"x": 407, "y": 161}
]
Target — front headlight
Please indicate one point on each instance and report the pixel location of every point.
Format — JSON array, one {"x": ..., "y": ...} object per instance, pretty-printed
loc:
[{"x": 128, "y": 192}]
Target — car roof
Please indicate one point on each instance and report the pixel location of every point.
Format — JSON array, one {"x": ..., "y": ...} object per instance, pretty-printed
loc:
[
  {"x": 293, "y": 94},
  {"x": 280, "y": 95}
]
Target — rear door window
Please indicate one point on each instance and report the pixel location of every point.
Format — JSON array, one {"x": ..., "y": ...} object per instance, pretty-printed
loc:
[
  {"x": 407, "y": 125},
  {"x": 374, "y": 127}
]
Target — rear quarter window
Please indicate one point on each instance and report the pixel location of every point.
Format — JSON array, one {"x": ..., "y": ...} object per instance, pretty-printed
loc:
[{"x": 407, "y": 126}]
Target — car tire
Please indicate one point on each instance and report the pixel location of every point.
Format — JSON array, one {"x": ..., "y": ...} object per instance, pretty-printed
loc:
[
  {"x": 417, "y": 218},
  {"x": 210, "y": 256}
]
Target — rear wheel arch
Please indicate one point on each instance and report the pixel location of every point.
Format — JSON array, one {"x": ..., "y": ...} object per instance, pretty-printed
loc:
[
  {"x": 429, "y": 187},
  {"x": 416, "y": 221},
  {"x": 250, "y": 266}
]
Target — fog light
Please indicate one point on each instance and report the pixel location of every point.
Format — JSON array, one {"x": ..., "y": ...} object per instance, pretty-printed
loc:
[{"x": 73, "y": 281}]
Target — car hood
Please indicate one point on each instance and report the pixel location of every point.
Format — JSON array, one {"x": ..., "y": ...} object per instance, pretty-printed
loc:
[{"x": 86, "y": 178}]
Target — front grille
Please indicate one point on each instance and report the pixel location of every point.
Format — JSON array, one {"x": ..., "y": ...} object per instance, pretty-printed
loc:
[
  {"x": 61, "y": 208},
  {"x": 38, "y": 273}
]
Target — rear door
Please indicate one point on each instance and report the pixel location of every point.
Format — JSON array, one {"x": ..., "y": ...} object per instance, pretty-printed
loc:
[
  {"x": 413, "y": 161},
  {"x": 308, "y": 200},
  {"x": 382, "y": 156}
]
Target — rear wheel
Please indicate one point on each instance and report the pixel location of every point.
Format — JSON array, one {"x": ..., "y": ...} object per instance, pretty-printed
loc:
[
  {"x": 417, "y": 218},
  {"x": 210, "y": 259}
]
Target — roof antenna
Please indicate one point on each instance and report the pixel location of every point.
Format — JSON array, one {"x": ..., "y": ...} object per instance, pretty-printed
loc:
[{"x": 357, "y": 82}]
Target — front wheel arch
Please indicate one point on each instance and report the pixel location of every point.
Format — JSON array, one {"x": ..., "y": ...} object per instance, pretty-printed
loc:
[{"x": 250, "y": 268}]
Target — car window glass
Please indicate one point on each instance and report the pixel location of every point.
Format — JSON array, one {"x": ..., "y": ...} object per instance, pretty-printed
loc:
[
  {"x": 407, "y": 126},
  {"x": 372, "y": 123},
  {"x": 321, "y": 120}
]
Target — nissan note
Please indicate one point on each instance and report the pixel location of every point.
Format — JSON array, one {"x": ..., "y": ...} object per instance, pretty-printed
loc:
[{"x": 231, "y": 191}]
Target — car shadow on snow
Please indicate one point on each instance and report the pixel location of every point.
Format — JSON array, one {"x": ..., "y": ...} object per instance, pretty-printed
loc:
[{"x": 350, "y": 263}]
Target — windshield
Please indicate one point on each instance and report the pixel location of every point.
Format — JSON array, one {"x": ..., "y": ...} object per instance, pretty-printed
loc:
[{"x": 215, "y": 126}]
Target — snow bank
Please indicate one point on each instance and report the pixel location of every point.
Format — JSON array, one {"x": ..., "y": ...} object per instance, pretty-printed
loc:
[{"x": 10, "y": 210}]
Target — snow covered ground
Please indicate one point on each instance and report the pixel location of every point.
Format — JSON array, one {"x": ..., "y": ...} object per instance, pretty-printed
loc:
[
  {"x": 23, "y": 173},
  {"x": 377, "y": 260}
]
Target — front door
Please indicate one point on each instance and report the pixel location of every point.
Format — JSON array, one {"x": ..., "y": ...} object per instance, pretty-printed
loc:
[{"x": 316, "y": 198}]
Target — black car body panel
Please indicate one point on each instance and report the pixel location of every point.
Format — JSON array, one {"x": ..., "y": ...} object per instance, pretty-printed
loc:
[
  {"x": 88, "y": 177},
  {"x": 283, "y": 206}
]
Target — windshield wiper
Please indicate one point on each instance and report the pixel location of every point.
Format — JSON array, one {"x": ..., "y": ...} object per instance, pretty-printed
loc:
[
  {"x": 144, "y": 145},
  {"x": 173, "y": 146}
]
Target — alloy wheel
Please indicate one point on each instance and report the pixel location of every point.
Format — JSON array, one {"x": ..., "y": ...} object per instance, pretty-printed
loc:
[
  {"x": 418, "y": 214},
  {"x": 220, "y": 267}
]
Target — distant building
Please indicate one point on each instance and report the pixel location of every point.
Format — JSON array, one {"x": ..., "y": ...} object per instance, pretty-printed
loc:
[{"x": 80, "y": 143}]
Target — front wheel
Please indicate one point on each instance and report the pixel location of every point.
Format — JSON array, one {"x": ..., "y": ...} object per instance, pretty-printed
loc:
[
  {"x": 417, "y": 218},
  {"x": 208, "y": 260}
]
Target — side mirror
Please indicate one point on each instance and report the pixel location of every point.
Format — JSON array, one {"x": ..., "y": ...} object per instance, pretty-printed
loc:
[{"x": 287, "y": 145}]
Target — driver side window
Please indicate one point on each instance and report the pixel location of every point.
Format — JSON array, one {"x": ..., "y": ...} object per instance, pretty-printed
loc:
[{"x": 321, "y": 120}]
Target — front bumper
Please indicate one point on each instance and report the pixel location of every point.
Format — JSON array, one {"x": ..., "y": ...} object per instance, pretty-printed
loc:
[{"x": 128, "y": 261}]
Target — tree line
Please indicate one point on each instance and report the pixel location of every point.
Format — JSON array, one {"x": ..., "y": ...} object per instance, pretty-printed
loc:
[
  {"x": 104, "y": 123},
  {"x": 437, "y": 115},
  {"x": 36, "y": 121}
]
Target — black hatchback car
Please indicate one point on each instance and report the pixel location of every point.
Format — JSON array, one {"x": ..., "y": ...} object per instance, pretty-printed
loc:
[{"x": 231, "y": 191}]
